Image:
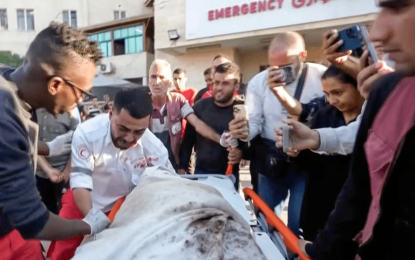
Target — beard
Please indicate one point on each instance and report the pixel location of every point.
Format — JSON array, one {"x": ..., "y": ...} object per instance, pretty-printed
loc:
[
  {"x": 223, "y": 97},
  {"x": 122, "y": 144}
]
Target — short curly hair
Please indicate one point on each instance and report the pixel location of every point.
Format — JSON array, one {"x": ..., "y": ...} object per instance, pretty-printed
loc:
[{"x": 61, "y": 42}]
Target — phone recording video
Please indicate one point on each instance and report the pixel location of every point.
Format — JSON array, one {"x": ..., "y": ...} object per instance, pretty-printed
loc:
[
  {"x": 288, "y": 74},
  {"x": 355, "y": 38}
]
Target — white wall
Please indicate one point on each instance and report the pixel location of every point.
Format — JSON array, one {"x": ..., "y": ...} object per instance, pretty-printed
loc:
[
  {"x": 170, "y": 14},
  {"x": 100, "y": 11},
  {"x": 45, "y": 11},
  {"x": 89, "y": 12},
  {"x": 130, "y": 65}
]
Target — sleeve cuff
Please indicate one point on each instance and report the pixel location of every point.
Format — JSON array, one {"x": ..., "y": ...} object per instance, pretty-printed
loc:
[
  {"x": 328, "y": 140},
  {"x": 79, "y": 180},
  {"x": 33, "y": 228}
]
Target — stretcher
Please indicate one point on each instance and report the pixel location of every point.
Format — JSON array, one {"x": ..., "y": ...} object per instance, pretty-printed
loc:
[{"x": 271, "y": 234}]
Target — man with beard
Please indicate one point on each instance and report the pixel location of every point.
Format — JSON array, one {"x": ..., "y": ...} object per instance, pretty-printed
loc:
[
  {"x": 376, "y": 205},
  {"x": 216, "y": 112},
  {"x": 286, "y": 52},
  {"x": 109, "y": 153},
  {"x": 56, "y": 74}
]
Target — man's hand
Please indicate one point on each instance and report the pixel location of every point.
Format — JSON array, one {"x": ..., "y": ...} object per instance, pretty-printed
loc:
[
  {"x": 60, "y": 145},
  {"x": 301, "y": 137},
  {"x": 301, "y": 244},
  {"x": 330, "y": 46},
  {"x": 370, "y": 74},
  {"x": 235, "y": 155},
  {"x": 275, "y": 77},
  {"x": 55, "y": 175},
  {"x": 97, "y": 220},
  {"x": 181, "y": 171},
  {"x": 239, "y": 129}
]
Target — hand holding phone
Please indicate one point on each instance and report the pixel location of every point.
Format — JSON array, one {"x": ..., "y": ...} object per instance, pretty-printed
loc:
[{"x": 369, "y": 45}]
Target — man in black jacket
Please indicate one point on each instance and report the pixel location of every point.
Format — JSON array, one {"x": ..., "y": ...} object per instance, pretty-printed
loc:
[
  {"x": 376, "y": 207},
  {"x": 58, "y": 70}
]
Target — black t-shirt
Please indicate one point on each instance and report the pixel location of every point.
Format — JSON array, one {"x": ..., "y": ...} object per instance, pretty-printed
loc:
[
  {"x": 200, "y": 94},
  {"x": 210, "y": 156}
]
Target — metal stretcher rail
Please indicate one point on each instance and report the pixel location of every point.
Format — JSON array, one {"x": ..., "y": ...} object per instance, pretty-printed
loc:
[{"x": 290, "y": 240}]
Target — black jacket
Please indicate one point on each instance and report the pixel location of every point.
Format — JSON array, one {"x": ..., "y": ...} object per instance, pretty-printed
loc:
[{"x": 393, "y": 234}]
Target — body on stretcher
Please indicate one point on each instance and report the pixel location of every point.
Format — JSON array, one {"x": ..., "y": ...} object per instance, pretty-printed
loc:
[{"x": 272, "y": 243}]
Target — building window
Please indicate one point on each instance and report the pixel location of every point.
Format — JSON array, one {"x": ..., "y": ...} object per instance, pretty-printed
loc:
[
  {"x": 104, "y": 40},
  {"x": 128, "y": 40},
  {"x": 25, "y": 20},
  {"x": 69, "y": 17},
  {"x": 3, "y": 19},
  {"x": 119, "y": 15}
]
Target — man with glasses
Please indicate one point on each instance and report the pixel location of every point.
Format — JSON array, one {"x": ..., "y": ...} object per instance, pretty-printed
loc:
[
  {"x": 208, "y": 91},
  {"x": 58, "y": 69},
  {"x": 266, "y": 114}
]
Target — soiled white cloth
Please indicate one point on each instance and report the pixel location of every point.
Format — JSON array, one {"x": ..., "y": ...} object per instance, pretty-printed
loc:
[{"x": 168, "y": 217}]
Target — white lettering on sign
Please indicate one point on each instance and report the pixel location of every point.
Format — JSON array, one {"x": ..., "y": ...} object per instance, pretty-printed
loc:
[{"x": 221, "y": 17}]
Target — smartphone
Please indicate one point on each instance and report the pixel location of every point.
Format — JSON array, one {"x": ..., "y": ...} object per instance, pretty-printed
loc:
[
  {"x": 288, "y": 74},
  {"x": 351, "y": 37},
  {"x": 240, "y": 111},
  {"x": 285, "y": 138},
  {"x": 369, "y": 45}
]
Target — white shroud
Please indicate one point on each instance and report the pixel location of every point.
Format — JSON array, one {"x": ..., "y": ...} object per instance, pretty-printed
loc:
[{"x": 168, "y": 217}]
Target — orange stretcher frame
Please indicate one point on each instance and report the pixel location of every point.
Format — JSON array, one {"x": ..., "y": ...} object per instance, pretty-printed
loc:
[
  {"x": 290, "y": 240},
  {"x": 115, "y": 208}
]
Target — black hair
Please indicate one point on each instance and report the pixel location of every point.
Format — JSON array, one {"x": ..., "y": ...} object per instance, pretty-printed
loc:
[
  {"x": 179, "y": 71},
  {"x": 207, "y": 71},
  {"x": 334, "y": 72},
  {"x": 137, "y": 101},
  {"x": 230, "y": 68},
  {"x": 61, "y": 41}
]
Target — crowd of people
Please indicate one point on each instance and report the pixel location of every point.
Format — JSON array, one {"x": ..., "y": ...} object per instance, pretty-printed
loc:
[{"x": 348, "y": 171}]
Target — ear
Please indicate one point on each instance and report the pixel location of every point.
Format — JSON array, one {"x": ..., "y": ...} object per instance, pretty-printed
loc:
[
  {"x": 54, "y": 85},
  {"x": 303, "y": 56},
  {"x": 110, "y": 114}
]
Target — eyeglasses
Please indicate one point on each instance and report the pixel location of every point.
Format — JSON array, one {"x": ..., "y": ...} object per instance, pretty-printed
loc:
[{"x": 85, "y": 95}]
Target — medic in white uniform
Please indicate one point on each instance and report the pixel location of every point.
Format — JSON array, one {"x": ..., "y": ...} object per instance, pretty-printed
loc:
[{"x": 109, "y": 154}]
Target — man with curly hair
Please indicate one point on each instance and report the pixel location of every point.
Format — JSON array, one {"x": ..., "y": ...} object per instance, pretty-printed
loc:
[{"x": 56, "y": 74}]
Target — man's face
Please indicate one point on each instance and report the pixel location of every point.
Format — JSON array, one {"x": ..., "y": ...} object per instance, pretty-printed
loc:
[
  {"x": 160, "y": 80},
  {"x": 224, "y": 86},
  {"x": 95, "y": 102},
  {"x": 209, "y": 79},
  {"x": 125, "y": 129},
  {"x": 284, "y": 58},
  {"x": 67, "y": 97},
  {"x": 180, "y": 81},
  {"x": 394, "y": 29},
  {"x": 106, "y": 98},
  {"x": 57, "y": 95}
]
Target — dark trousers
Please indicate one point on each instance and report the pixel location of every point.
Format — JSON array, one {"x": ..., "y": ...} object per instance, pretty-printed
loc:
[{"x": 51, "y": 193}]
